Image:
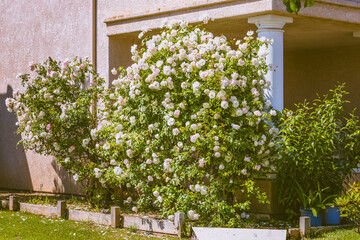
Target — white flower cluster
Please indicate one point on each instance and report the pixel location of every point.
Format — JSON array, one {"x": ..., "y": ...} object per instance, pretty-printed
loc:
[
  {"x": 54, "y": 118},
  {"x": 190, "y": 109}
]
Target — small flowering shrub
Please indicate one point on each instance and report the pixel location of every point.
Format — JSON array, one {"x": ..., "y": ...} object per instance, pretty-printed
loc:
[
  {"x": 186, "y": 126},
  {"x": 54, "y": 114}
]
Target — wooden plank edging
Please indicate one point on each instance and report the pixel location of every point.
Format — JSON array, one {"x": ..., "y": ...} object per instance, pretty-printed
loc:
[
  {"x": 39, "y": 209},
  {"x": 149, "y": 225},
  {"x": 115, "y": 219},
  {"x": 94, "y": 217}
]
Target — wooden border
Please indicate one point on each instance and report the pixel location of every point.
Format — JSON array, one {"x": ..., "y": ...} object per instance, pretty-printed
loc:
[{"x": 115, "y": 219}]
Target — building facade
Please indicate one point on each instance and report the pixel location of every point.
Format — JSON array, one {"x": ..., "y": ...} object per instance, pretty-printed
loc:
[{"x": 312, "y": 51}]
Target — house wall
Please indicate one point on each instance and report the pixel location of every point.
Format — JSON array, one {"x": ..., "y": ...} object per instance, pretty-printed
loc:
[
  {"x": 33, "y": 32},
  {"x": 308, "y": 72}
]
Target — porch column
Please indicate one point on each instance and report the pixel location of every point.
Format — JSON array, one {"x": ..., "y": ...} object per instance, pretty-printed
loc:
[{"x": 271, "y": 27}]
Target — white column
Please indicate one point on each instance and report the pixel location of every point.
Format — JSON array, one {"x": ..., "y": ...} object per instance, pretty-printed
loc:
[{"x": 271, "y": 27}]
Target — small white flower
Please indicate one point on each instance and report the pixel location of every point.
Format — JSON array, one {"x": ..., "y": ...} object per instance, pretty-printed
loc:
[
  {"x": 175, "y": 131},
  {"x": 134, "y": 209},
  {"x": 167, "y": 70},
  {"x": 106, "y": 146},
  {"x": 171, "y": 121},
  {"x": 113, "y": 71},
  {"x": 129, "y": 153},
  {"x": 272, "y": 112},
  {"x": 224, "y": 104},
  {"x": 194, "y": 126},
  {"x": 156, "y": 193},
  {"x": 238, "y": 112},
  {"x": 191, "y": 214},
  {"x": 159, "y": 198},
  {"x": 257, "y": 113},
  {"x": 212, "y": 94},
  {"x": 250, "y": 33},
  {"x": 97, "y": 172},
  {"x": 76, "y": 177},
  {"x": 132, "y": 120},
  {"x": 235, "y": 104},
  {"x": 118, "y": 171},
  {"x": 194, "y": 137},
  {"x": 203, "y": 191},
  {"x": 217, "y": 154}
]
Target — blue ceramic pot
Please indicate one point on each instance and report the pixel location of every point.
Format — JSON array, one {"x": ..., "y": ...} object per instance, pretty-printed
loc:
[
  {"x": 332, "y": 215},
  {"x": 314, "y": 221}
]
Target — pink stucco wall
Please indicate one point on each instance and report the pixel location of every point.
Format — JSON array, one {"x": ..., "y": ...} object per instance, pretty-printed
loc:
[{"x": 33, "y": 31}]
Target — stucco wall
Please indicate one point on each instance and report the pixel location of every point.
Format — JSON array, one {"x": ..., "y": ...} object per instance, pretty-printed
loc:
[
  {"x": 33, "y": 31},
  {"x": 308, "y": 72}
]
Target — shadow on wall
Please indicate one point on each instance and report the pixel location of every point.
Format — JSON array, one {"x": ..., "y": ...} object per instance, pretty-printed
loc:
[
  {"x": 66, "y": 184},
  {"x": 14, "y": 169}
]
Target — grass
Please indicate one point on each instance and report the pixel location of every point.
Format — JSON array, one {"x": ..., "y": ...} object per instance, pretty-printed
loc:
[
  {"x": 339, "y": 234},
  {"x": 16, "y": 225}
]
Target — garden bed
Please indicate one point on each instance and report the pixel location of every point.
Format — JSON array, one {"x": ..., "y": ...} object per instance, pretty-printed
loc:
[
  {"x": 114, "y": 219},
  {"x": 134, "y": 222}
]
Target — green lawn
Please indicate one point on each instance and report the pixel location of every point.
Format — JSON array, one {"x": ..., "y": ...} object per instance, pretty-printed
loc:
[
  {"x": 15, "y": 225},
  {"x": 340, "y": 234}
]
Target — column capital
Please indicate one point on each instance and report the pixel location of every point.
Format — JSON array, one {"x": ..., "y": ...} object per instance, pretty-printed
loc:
[{"x": 270, "y": 22}]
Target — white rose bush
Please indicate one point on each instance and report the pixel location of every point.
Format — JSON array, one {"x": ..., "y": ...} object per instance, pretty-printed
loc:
[
  {"x": 55, "y": 117},
  {"x": 186, "y": 126}
]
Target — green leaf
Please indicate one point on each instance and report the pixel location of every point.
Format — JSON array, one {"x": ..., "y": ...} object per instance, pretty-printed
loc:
[
  {"x": 295, "y": 5},
  {"x": 309, "y": 3}
]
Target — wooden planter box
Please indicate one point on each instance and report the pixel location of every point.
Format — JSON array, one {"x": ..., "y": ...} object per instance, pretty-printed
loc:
[{"x": 115, "y": 219}]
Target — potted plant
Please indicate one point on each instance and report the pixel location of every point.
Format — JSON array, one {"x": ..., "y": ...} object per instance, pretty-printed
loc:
[
  {"x": 313, "y": 203},
  {"x": 332, "y": 215},
  {"x": 320, "y": 145}
]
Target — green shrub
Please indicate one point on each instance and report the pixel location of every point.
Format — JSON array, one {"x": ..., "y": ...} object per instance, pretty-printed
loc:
[
  {"x": 319, "y": 147},
  {"x": 349, "y": 204},
  {"x": 187, "y": 125},
  {"x": 55, "y": 115}
]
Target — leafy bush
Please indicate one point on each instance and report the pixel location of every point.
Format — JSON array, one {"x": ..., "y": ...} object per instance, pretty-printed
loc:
[
  {"x": 186, "y": 126},
  {"x": 319, "y": 147},
  {"x": 55, "y": 116},
  {"x": 349, "y": 204}
]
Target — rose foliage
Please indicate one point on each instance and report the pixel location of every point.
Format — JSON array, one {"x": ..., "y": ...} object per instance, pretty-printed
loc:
[
  {"x": 185, "y": 128},
  {"x": 55, "y": 117}
]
